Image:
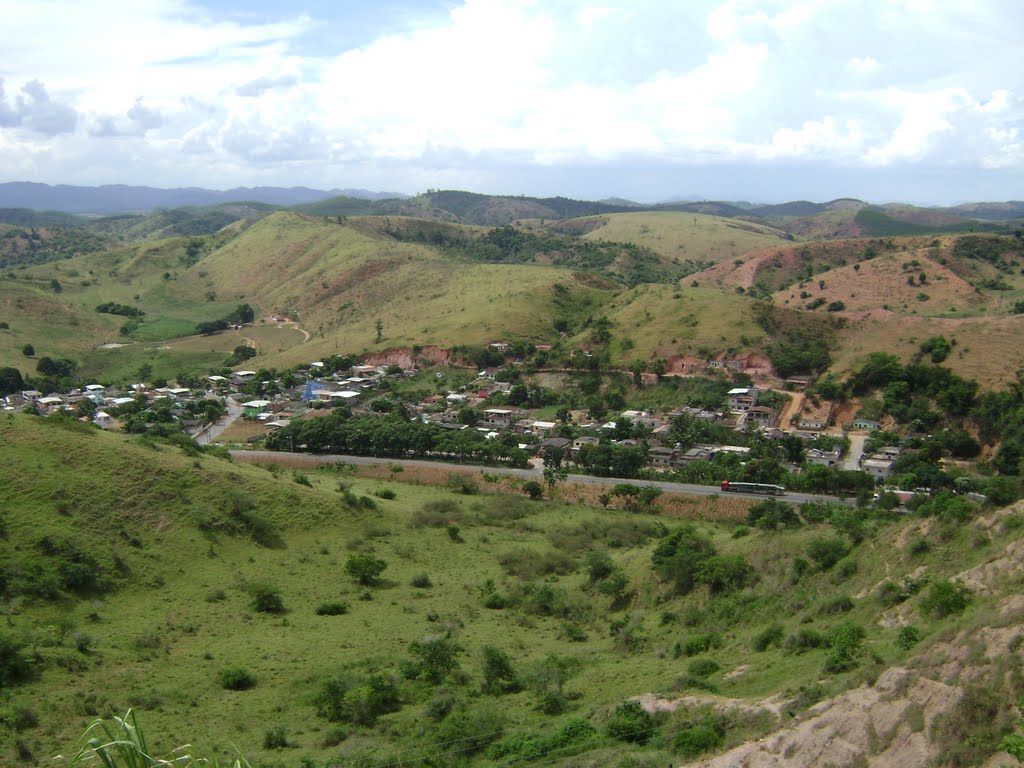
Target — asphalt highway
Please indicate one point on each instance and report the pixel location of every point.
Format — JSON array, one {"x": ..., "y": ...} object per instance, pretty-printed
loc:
[{"x": 534, "y": 473}]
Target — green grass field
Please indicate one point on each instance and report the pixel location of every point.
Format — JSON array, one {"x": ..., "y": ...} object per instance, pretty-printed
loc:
[
  {"x": 157, "y": 524},
  {"x": 688, "y": 236}
]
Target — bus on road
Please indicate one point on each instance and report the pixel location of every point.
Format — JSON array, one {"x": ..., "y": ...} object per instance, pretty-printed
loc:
[{"x": 766, "y": 489}]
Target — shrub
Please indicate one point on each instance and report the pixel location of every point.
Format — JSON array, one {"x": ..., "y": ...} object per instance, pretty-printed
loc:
[
  {"x": 386, "y": 493},
  {"x": 771, "y": 514},
  {"x": 547, "y": 682},
  {"x": 276, "y": 738},
  {"x": 599, "y": 565},
  {"x": 907, "y": 637},
  {"x": 770, "y": 636},
  {"x": 15, "y": 666},
  {"x": 470, "y": 730},
  {"x": 702, "y": 667},
  {"x": 236, "y": 679},
  {"x": 332, "y": 609},
  {"x": 698, "y": 739},
  {"x": 703, "y": 643},
  {"x": 359, "y": 702},
  {"x": 679, "y": 555},
  {"x": 533, "y": 489},
  {"x": 841, "y": 604},
  {"x": 631, "y": 722},
  {"x": 724, "y": 573},
  {"x": 803, "y": 640},
  {"x": 499, "y": 675},
  {"x": 846, "y": 645},
  {"x": 826, "y": 552},
  {"x": 266, "y": 598},
  {"x": 945, "y": 598},
  {"x": 434, "y": 659},
  {"x": 890, "y": 594},
  {"x": 364, "y": 569},
  {"x": 421, "y": 581}
]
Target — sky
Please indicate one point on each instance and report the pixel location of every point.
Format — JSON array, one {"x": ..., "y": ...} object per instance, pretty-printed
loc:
[{"x": 884, "y": 100}]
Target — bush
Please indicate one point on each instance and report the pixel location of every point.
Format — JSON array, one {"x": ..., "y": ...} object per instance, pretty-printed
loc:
[
  {"x": 499, "y": 675},
  {"x": 276, "y": 738},
  {"x": 768, "y": 637},
  {"x": 435, "y": 658},
  {"x": 703, "y": 643},
  {"x": 364, "y": 569},
  {"x": 846, "y": 644},
  {"x": 907, "y": 637},
  {"x": 386, "y": 493},
  {"x": 631, "y": 723},
  {"x": 469, "y": 730},
  {"x": 841, "y": 604},
  {"x": 332, "y": 609},
  {"x": 679, "y": 555},
  {"x": 702, "y": 667},
  {"x": 826, "y": 552},
  {"x": 359, "y": 702},
  {"x": 599, "y": 565},
  {"x": 266, "y": 598},
  {"x": 421, "y": 581},
  {"x": 236, "y": 679},
  {"x": 698, "y": 739},
  {"x": 945, "y": 598},
  {"x": 803, "y": 640},
  {"x": 533, "y": 489},
  {"x": 15, "y": 666},
  {"x": 724, "y": 573}
]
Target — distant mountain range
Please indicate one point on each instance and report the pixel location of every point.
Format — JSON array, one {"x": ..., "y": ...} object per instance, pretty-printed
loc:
[{"x": 119, "y": 198}]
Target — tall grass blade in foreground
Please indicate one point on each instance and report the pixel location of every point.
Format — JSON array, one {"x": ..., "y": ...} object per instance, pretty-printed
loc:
[{"x": 120, "y": 743}]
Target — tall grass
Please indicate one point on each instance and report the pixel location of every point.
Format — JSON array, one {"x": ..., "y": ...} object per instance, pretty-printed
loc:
[{"x": 120, "y": 743}]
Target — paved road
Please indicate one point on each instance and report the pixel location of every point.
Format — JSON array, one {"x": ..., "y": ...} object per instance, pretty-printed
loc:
[
  {"x": 213, "y": 431},
  {"x": 535, "y": 473},
  {"x": 856, "y": 450}
]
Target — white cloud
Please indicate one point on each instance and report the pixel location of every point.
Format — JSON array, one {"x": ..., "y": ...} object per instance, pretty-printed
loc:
[
  {"x": 192, "y": 95},
  {"x": 863, "y": 65}
]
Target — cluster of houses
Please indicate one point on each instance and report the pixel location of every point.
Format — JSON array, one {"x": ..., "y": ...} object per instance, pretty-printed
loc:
[
  {"x": 355, "y": 388},
  {"x": 102, "y": 398}
]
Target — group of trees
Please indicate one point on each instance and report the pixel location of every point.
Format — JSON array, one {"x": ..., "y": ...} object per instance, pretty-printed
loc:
[
  {"x": 243, "y": 313},
  {"x": 393, "y": 436}
]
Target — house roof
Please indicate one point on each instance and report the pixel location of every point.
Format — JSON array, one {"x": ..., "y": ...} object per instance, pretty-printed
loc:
[{"x": 256, "y": 404}]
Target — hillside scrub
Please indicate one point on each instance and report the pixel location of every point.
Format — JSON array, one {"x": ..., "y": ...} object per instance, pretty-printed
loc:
[{"x": 556, "y": 654}]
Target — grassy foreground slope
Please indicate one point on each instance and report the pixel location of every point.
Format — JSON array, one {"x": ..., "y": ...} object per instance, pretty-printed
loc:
[{"x": 174, "y": 539}]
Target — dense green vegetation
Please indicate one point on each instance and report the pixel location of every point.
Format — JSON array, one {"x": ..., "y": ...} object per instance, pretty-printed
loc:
[
  {"x": 508, "y": 244},
  {"x": 311, "y": 625}
]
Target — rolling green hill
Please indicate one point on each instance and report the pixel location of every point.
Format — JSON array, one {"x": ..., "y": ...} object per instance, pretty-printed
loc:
[{"x": 216, "y": 598}]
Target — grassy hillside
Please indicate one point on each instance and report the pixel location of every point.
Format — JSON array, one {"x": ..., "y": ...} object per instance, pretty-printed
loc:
[
  {"x": 170, "y": 538},
  {"x": 654, "y": 321},
  {"x": 683, "y": 237}
]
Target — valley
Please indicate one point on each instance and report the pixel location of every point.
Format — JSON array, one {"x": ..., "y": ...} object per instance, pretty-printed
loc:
[{"x": 463, "y": 480}]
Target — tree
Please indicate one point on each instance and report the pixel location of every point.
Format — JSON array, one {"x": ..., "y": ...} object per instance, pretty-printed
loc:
[
  {"x": 28, "y": 350},
  {"x": 10, "y": 381},
  {"x": 435, "y": 658},
  {"x": 365, "y": 569},
  {"x": 547, "y": 682},
  {"x": 379, "y": 326},
  {"x": 499, "y": 675},
  {"x": 533, "y": 489}
]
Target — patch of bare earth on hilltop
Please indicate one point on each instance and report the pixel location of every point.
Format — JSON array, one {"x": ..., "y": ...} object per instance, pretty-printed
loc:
[{"x": 925, "y": 713}]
